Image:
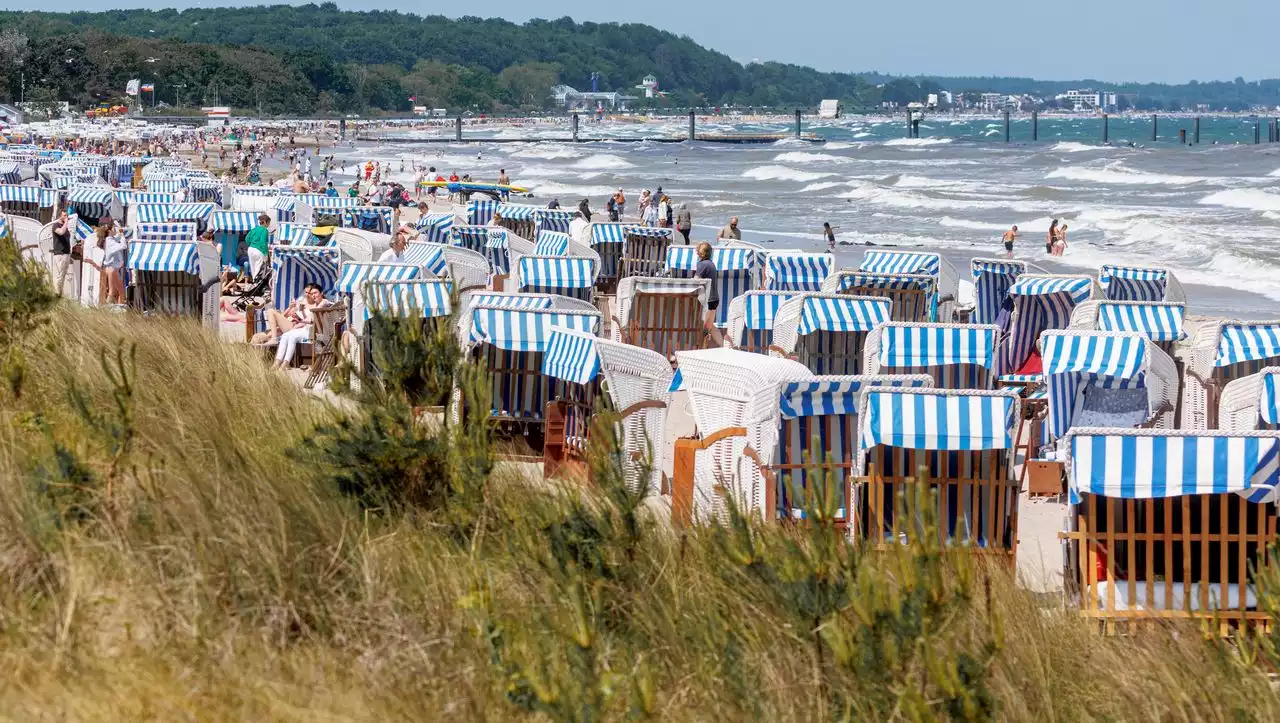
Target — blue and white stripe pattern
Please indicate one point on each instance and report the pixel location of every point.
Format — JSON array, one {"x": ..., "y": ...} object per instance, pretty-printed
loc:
[
  {"x": 480, "y": 213},
  {"x": 422, "y": 298},
  {"x": 495, "y": 250},
  {"x": 429, "y": 256},
  {"x": 204, "y": 190},
  {"x": 736, "y": 271},
  {"x": 920, "y": 419},
  {"x": 1072, "y": 359},
  {"x": 845, "y": 314},
  {"x": 830, "y": 396},
  {"x": 553, "y": 219},
  {"x": 164, "y": 231},
  {"x": 135, "y": 198},
  {"x": 1245, "y": 342},
  {"x": 1076, "y": 288},
  {"x": 285, "y": 203},
  {"x": 90, "y": 195},
  {"x": 609, "y": 233},
  {"x": 525, "y": 330},
  {"x": 319, "y": 201},
  {"x": 10, "y": 173},
  {"x": 1041, "y": 303},
  {"x": 797, "y": 271},
  {"x": 292, "y": 268},
  {"x": 150, "y": 213},
  {"x": 292, "y": 234},
  {"x": 435, "y": 227},
  {"x": 475, "y": 238},
  {"x": 1130, "y": 465},
  {"x": 1269, "y": 408},
  {"x": 901, "y": 262},
  {"x": 368, "y": 218},
  {"x": 4, "y": 226},
  {"x": 512, "y": 301},
  {"x": 21, "y": 194},
  {"x": 517, "y": 211},
  {"x": 354, "y": 274},
  {"x": 1159, "y": 322},
  {"x": 164, "y": 256},
  {"x": 191, "y": 211},
  {"x": 570, "y": 276},
  {"x": 233, "y": 221},
  {"x": 166, "y": 185},
  {"x": 551, "y": 243},
  {"x": 762, "y": 307},
  {"x": 915, "y": 345},
  {"x": 1132, "y": 283},
  {"x": 571, "y": 356},
  {"x": 257, "y": 191}
]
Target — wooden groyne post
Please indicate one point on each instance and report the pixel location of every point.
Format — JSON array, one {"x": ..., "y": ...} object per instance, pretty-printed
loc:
[
  {"x": 693, "y": 124},
  {"x": 457, "y": 129},
  {"x": 1035, "y": 126},
  {"x": 1257, "y": 132},
  {"x": 573, "y": 125},
  {"x": 1106, "y": 136},
  {"x": 1006, "y": 126},
  {"x": 1195, "y": 134},
  {"x": 797, "y": 123},
  {"x": 1155, "y": 126}
]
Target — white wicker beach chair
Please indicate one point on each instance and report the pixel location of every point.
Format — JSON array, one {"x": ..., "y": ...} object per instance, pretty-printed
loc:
[
  {"x": 964, "y": 440},
  {"x": 751, "y": 318},
  {"x": 1169, "y": 524},
  {"x": 826, "y": 332},
  {"x": 956, "y": 356},
  {"x": 1251, "y": 402},
  {"x": 738, "y": 270},
  {"x": 1041, "y": 302},
  {"x": 357, "y": 245},
  {"x": 1218, "y": 352},
  {"x": 175, "y": 278},
  {"x": 797, "y": 271},
  {"x": 992, "y": 279},
  {"x": 1160, "y": 321},
  {"x": 664, "y": 315},
  {"x": 1136, "y": 283}
]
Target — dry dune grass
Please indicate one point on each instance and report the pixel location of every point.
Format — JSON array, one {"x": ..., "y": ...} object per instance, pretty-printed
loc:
[{"x": 227, "y": 579}]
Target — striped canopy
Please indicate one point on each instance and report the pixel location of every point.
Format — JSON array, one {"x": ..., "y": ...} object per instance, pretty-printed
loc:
[
  {"x": 761, "y": 307},
  {"x": 547, "y": 274},
  {"x": 164, "y": 256},
  {"x": 10, "y": 172},
  {"x": 177, "y": 231},
  {"x": 901, "y": 262},
  {"x": 726, "y": 259},
  {"x": 553, "y": 219},
  {"x": 134, "y": 198},
  {"x": 1132, "y": 283},
  {"x": 1269, "y": 409},
  {"x": 848, "y": 313},
  {"x": 475, "y": 238},
  {"x": 425, "y": 298},
  {"x": 830, "y": 396},
  {"x": 525, "y": 330},
  {"x": 1244, "y": 342},
  {"x": 234, "y": 221},
  {"x": 292, "y": 234},
  {"x": 571, "y": 356},
  {"x": 354, "y": 274},
  {"x": 285, "y": 203},
  {"x": 512, "y": 301},
  {"x": 1077, "y": 287},
  {"x": 1156, "y": 320},
  {"x": 922, "y": 419},
  {"x": 101, "y": 195},
  {"x": 21, "y": 194},
  {"x": 551, "y": 243},
  {"x": 1131, "y": 465},
  {"x": 434, "y": 227},
  {"x": 150, "y": 213},
  {"x": 872, "y": 280},
  {"x": 321, "y": 201},
  {"x": 4, "y": 226},
  {"x": 191, "y": 211},
  {"x": 292, "y": 268},
  {"x": 480, "y": 212},
  {"x": 616, "y": 233},
  {"x": 1119, "y": 357},
  {"x": 518, "y": 211},
  {"x": 257, "y": 190},
  {"x": 992, "y": 279},
  {"x": 166, "y": 185},
  {"x": 918, "y": 345},
  {"x": 797, "y": 271},
  {"x": 367, "y": 217},
  {"x": 429, "y": 256}
]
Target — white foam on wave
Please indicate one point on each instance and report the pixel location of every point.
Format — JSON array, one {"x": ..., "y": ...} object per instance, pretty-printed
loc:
[
  {"x": 782, "y": 173},
  {"x": 950, "y": 222},
  {"x": 839, "y": 146},
  {"x": 800, "y": 157},
  {"x": 1274, "y": 174},
  {"x": 1074, "y": 147},
  {"x": 1252, "y": 199},
  {"x": 1120, "y": 177},
  {"x": 917, "y": 142},
  {"x": 824, "y": 186},
  {"x": 603, "y": 162},
  {"x": 547, "y": 152},
  {"x": 549, "y": 188},
  {"x": 863, "y": 134},
  {"x": 890, "y": 197}
]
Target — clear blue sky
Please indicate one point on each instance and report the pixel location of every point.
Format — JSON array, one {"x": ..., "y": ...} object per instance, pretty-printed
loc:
[{"x": 1114, "y": 40}]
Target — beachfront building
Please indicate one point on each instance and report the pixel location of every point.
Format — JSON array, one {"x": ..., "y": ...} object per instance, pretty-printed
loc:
[
  {"x": 1086, "y": 100},
  {"x": 572, "y": 98}
]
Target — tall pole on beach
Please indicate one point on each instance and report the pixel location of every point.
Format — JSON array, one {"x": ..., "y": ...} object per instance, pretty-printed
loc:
[
  {"x": 457, "y": 129},
  {"x": 1106, "y": 136},
  {"x": 1257, "y": 132},
  {"x": 693, "y": 122},
  {"x": 1195, "y": 134},
  {"x": 1035, "y": 125},
  {"x": 1006, "y": 126},
  {"x": 797, "y": 123},
  {"x": 1155, "y": 132},
  {"x": 573, "y": 123}
]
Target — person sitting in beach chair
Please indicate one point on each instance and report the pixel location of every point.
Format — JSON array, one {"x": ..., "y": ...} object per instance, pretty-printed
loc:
[{"x": 292, "y": 326}]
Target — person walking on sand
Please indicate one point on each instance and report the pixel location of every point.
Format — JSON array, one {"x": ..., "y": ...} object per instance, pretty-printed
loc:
[
  {"x": 1009, "y": 237},
  {"x": 706, "y": 269},
  {"x": 830, "y": 233},
  {"x": 684, "y": 222},
  {"x": 1053, "y": 236},
  {"x": 620, "y": 202}
]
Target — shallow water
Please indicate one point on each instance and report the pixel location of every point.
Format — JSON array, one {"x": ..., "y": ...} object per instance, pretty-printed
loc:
[{"x": 1209, "y": 212}]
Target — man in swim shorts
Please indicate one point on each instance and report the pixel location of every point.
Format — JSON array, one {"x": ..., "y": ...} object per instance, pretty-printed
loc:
[{"x": 1009, "y": 236}]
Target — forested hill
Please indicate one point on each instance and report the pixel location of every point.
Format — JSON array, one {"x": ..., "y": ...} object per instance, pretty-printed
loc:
[{"x": 353, "y": 60}]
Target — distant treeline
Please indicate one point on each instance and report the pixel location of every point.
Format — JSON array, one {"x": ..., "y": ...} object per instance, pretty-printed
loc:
[{"x": 321, "y": 60}]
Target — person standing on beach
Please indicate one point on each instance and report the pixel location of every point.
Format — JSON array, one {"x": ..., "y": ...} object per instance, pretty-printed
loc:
[
  {"x": 61, "y": 251},
  {"x": 684, "y": 222},
  {"x": 730, "y": 231},
  {"x": 706, "y": 269},
  {"x": 258, "y": 240},
  {"x": 1060, "y": 243},
  {"x": 620, "y": 202},
  {"x": 504, "y": 180},
  {"x": 1053, "y": 236},
  {"x": 830, "y": 234},
  {"x": 664, "y": 212},
  {"x": 584, "y": 207},
  {"x": 1009, "y": 237}
]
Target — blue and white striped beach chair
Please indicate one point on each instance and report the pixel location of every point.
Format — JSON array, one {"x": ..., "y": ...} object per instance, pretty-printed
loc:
[
  {"x": 1170, "y": 524},
  {"x": 964, "y": 441},
  {"x": 664, "y": 315},
  {"x": 1041, "y": 302},
  {"x": 565, "y": 275},
  {"x": 1161, "y": 322},
  {"x": 436, "y": 227},
  {"x": 1251, "y": 402},
  {"x": 737, "y": 269},
  {"x": 796, "y": 270},
  {"x": 751, "y": 318},
  {"x": 176, "y": 278},
  {"x": 826, "y": 332},
  {"x": 956, "y": 356},
  {"x": 1136, "y": 283},
  {"x": 1219, "y": 352},
  {"x": 181, "y": 231},
  {"x": 992, "y": 279}
]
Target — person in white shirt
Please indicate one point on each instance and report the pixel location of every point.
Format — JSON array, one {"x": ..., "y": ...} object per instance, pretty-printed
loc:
[
  {"x": 114, "y": 247},
  {"x": 400, "y": 241},
  {"x": 578, "y": 228}
]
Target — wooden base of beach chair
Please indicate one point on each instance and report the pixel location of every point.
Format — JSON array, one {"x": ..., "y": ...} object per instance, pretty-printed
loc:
[
  {"x": 560, "y": 456},
  {"x": 1043, "y": 479}
]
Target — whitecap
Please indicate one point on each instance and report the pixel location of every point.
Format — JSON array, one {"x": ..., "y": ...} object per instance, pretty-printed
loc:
[{"x": 782, "y": 173}]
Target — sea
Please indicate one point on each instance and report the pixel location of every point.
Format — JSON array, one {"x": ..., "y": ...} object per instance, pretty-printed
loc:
[{"x": 1209, "y": 212}]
